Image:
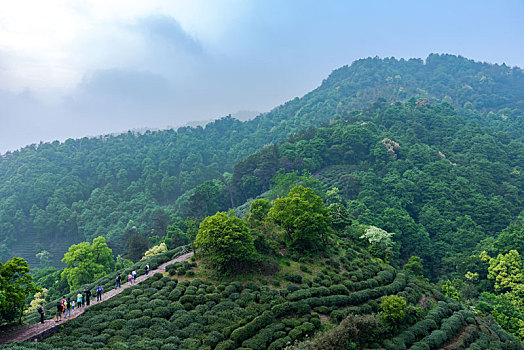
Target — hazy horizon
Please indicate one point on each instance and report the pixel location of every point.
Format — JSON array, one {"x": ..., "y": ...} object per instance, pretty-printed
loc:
[{"x": 87, "y": 68}]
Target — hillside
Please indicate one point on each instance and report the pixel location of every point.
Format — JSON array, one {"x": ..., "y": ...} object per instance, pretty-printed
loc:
[
  {"x": 63, "y": 193},
  {"x": 191, "y": 309},
  {"x": 440, "y": 182}
]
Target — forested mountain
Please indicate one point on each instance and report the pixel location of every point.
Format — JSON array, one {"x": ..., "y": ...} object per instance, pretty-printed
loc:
[
  {"x": 55, "y": 194},
  {"x": 440, "y": 182}
]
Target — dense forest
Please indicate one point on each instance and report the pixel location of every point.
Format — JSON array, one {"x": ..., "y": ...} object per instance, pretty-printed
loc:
[
  {"x": 56, "y": 194},
  {"x": 443, "y": 183}
]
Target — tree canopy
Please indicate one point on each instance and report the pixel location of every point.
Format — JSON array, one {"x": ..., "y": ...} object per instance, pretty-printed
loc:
[
  {"x": 304, "y": 218},
  {"x": 86, "y": 262},
  {"x": 16, "y": 285},
  {"x": 225, "y": 241}
]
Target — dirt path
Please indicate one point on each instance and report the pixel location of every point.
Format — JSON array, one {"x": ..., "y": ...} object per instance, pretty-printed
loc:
[{"x": 39, "y": 330}]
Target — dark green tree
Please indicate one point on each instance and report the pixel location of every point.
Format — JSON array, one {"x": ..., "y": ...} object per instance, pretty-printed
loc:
[{"x": 304, "y": 218}]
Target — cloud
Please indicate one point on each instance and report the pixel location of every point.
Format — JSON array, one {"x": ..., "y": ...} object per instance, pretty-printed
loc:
[
  {"x": 111, "y": 95},
  {"x": 165, "y": 32}
]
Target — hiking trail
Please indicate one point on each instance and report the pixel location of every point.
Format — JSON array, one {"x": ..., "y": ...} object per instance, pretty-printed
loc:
[{"x": 40, "y": 331}]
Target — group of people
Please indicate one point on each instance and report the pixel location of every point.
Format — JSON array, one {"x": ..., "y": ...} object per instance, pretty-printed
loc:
[
  {"x": 131, "y": 278},
  {"x": 66, "y": 306}
]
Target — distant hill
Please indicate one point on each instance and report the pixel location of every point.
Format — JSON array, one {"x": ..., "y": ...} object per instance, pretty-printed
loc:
[{"x": 61, "y": 193}]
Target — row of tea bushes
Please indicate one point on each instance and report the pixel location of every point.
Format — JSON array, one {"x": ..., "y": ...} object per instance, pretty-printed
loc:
[{"x": 108, "y": 281}]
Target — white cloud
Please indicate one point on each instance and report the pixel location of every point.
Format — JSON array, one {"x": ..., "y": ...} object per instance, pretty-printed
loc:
[{"x": 51, "y": 44}]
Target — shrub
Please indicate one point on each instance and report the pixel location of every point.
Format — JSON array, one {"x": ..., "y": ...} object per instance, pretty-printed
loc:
[
  {"x": 336, "y": 316},
  {"x": 213, "y": 338},
  {"x": 279, "y": 343},
  {"x": 305, "y": 269},
  {"x": 251, "y": 286},
  {"x": 295, "y": 278},
  {"x": 163, "y": 312},
  {"x": 226, "y": 345},
  {"x": 337, "y": 289},
  {"x": 242, "y": 333},
  {"x": 295, "y": 333},
  {"x": 291, "y": 287},
  {"x": 282, "y": 309},
  {"x": 260, "y": 340}
]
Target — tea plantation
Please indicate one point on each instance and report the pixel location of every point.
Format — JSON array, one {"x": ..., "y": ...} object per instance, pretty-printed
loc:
[{"x": 313, "y": 303}]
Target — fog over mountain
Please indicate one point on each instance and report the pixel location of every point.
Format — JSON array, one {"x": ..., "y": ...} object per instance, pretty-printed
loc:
[{"x": 82, "y": 68}]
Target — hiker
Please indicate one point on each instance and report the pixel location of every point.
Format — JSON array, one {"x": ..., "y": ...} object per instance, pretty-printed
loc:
[
  {"x": 130, "y": 279},
  {"x": 118, "y": 281},
  {"x": 73, "y": 305},
  {"x": 59, "y": 310},
  {"x": 41, "y": 311},
  {"x": 88, "y": 295},
  {"x": 99, "y": 290},
  {"x": 147, "y": 269},
  {"x": 68, "y": 308},
  {"x": 79, "y": 300},
  {"x": 134, "y": 276}
]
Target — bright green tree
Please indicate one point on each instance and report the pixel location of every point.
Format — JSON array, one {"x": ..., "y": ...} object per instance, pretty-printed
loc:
[
  {"x": 414, "y": 265},
  {"x": 449, "y": 290},
  {"x": 393, "y": 309},
  {"x": 86, "y": 263},
  {"x": 258, "y": 211},
  {"x": 304, "y": 218},
  {"x": 506, "y": 270},
  {"x": 16, "y": 285},
  {"x": 225, "y": 241}
]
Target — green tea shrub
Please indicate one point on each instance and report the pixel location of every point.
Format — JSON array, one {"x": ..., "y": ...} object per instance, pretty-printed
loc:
[
  {"x": 280, "y": 343},
  {"x": 336, "y": 316},
  {"x": 250, "y": 285},
  {"x": 248, "y": 330},
  {"x": 260, "y": 340},
  {"x": 338, "y": 289},
  {"x": 291, "y": 287},
  {"x": 293, "y": 277},
  {"x": 133, "y": 314},
  {"x": 282, "y": 309},
  {"x": 226, "y": 345}
]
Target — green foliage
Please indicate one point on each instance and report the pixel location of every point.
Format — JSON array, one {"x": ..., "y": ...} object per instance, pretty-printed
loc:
[
  {"x": 414, "y": 266},
  {"x": 226, "y": 241},
  {"x": 304, "y": 218},
  {"x": 258, "y": 211},
  {"x": 86, "y": 262},
  {"x": 380, "y": 242},
  {"x": 16, "y": 285},
  {"x": 393, "y": 309},
  {"x": 339, "y": 215},
  {"x": 506, "y": 270}
]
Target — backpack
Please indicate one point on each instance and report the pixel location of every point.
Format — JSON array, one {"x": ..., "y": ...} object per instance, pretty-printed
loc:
[
  {"x": 63, "y": 308},
  {"x": 40, "y": 310}
]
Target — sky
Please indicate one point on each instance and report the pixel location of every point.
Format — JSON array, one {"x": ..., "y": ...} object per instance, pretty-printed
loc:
[{"x": 70, "y": 69}]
